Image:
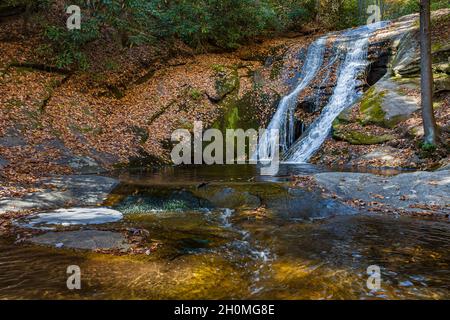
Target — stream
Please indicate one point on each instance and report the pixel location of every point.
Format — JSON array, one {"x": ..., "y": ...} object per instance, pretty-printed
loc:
[{"x": 226, "y": 233}]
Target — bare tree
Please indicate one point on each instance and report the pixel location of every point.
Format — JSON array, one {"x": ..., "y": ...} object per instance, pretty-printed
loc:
[{"x": 426, "y": 75}]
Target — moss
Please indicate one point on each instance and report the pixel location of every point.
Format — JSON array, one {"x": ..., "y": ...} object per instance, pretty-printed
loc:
[
  {"x": 218, "y": 68},
  {"x": 195, "y": 94},
  {"x": 359, "y": 138},
  {"x": 277, "y": 67},
  {"x": 227, "y": 81},
  {"x": 371, "y": 107}
]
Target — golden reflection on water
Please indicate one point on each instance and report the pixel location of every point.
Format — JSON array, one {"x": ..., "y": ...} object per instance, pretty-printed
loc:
[{"x": 201, "y": 259}]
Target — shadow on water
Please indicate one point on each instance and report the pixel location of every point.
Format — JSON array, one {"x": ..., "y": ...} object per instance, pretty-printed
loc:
[{"x": 227, "y": 173}]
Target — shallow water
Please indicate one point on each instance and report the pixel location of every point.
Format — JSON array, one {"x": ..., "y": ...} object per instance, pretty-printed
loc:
[{"x": 313, "y": 249}]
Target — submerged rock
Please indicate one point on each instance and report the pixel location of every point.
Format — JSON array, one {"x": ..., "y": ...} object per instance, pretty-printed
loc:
[
  {"x": 229, "y": 198},
  {"x": 304, "y": 205},
  {"x": 73, "y": 216},
  {"x": 83, "y": 239},
  {"x": 175, "y": 200}
]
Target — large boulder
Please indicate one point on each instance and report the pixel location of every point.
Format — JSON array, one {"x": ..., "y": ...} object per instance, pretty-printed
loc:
[
  {"x": 82, "y": 190},
  {"x": 408, "y": 191}
]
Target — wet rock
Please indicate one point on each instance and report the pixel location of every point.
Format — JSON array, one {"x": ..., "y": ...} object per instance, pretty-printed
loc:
[
  {"x": 72, "y": 216},
  {"x": 178, "y": 200},
  {"x": 83, "y": 239},
  {"x": 304, "y": 205},
  {"x": 230, "y": 198},
  {"x": 82, "y": 190}
]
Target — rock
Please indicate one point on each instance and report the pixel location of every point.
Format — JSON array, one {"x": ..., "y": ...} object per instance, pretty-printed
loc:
[
  {"x": 386, "y": 105},
  {"x": 312, "y": 204},
  {"x": 400, "y": 191},
  {"x": 356, "y": 137},
  {"x": 3, "y": 162},
  {"x": 441, "y": 83},
  {"x": 230, "y": 198},
  {"x": 79, "y": 164},
  {"x": 12, "y": 138},
  {"x": 82, "y": 190},
  {"x": 84, "y": 165},
  {"x": 176, "y": 200},
  {"x": 83, "y": 239},
  {"x": 226, "y": 82},
  {"x": 71, "y": 216},
  {"x": 386, "y": 155}
]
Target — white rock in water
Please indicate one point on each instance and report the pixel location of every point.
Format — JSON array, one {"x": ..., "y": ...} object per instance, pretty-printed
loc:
[{"x": 74, "y": 216}]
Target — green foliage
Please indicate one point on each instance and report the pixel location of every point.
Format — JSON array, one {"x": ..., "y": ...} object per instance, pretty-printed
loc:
[
  {"x": 195, "y": 94},
  {"x": 396, "y": 8},
  {"x": 199, "y": 23},
  {"x": 68, "y": 43},
  {"x": 427, "y": 147},
  {"x": 224, "y": 23}
]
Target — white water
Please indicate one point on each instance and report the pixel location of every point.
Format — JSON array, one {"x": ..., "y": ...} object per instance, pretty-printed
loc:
[
  {"x": 283, "y": 120},
  {"x": 345, "y": 93}
]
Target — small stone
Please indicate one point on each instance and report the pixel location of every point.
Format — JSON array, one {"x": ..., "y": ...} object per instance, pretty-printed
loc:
[{"x": 406, "y": 284}]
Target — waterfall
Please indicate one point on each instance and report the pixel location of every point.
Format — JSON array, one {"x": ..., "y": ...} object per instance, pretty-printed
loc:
[
  {"x": 283, "y": 119},
  {"x": 345, "y": 93}
]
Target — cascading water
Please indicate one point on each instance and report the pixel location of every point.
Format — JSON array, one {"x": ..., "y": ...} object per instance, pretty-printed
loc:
[
  {"x": 345, "y": 93},
  {"x": 283, "y": 120}
]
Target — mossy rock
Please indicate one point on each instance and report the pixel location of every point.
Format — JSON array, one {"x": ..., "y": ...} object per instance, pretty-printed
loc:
[
  {"x": 441, "y": 82},
  {"x": 227, "y": 82},
  {"x": 371, "y": 107},
  {"x": 359, "y": 138}
]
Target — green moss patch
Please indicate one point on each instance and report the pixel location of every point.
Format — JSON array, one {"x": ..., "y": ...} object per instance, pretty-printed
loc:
[
  {"x": 371, "y": 107},
  {"x": 359, "y": 138}
]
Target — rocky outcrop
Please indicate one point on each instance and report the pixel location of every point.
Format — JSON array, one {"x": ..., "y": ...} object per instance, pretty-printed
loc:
[
  {"x": 409, "y": 191},
  {"x": 83, "y": 190},
  {"x": 387, "y": 117}
]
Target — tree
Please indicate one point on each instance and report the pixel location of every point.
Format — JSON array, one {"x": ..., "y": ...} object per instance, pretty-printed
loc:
[{"x": 426, "y": 75}]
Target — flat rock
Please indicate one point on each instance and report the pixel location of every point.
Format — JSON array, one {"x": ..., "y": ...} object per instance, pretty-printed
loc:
[
  {"x": 3, "y": 162},
  {"x": 83, "y": 239},
  {"x": 400, "y": 191},
  {"x": 73, "y": 216},
  {"x": 78, "y": 190}
]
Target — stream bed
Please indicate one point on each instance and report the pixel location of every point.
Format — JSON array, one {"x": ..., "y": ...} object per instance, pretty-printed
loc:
[{"x": 227, "y": 233}]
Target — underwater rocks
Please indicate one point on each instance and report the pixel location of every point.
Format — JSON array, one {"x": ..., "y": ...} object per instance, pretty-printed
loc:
[
  {"x": 230, "y": 198},
  {"x": 161, "y": 201},
  {"x": 78, "y": 190},
  {"x": 83, "y": 239}
]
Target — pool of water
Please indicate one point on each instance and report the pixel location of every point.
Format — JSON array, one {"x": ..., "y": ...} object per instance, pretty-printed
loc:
[{"x": 270, "y": 242}]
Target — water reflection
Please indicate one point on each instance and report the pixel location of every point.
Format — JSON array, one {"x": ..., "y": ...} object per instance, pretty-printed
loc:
[{"x": 225, "y": 237}]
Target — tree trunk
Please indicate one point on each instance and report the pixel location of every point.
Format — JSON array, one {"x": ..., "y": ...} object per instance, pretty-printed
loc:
[{"x": 426, "y": 75}]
